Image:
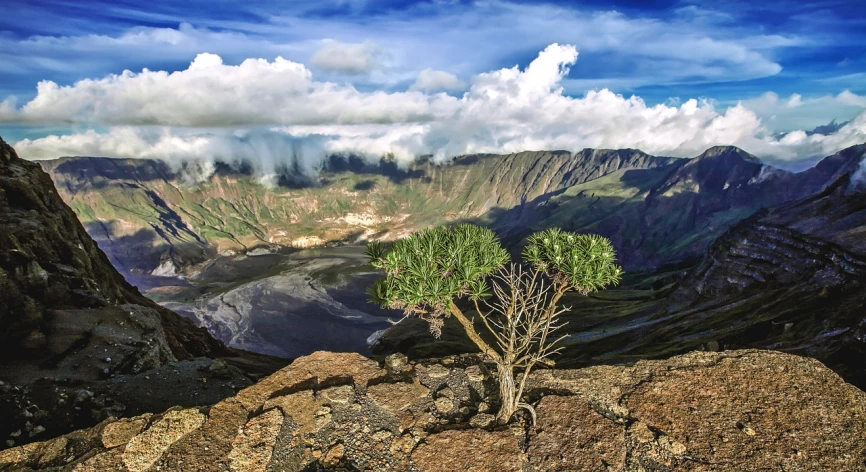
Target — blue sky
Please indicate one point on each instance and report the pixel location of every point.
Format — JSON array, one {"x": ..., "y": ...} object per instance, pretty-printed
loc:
[{"x": 793, "y": 65}]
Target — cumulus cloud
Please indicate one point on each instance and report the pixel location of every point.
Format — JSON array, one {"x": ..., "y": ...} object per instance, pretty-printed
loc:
[
  {"x": 347, "y": 58},
  {"x": 431, "y": 80},
  {"x": 506, "y": 110},
  {"x": 211, "y": 93}
]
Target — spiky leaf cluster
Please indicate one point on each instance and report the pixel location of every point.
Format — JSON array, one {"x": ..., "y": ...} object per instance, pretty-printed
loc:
[
  {"x": 586, "y": 261},
  {"x": 428, "y": 269}
]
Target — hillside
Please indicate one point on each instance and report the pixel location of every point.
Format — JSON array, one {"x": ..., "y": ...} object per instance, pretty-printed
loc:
[
  {"x": 148, "y": 217},
  {"x": 729, "y": 411},
  {"x": 151, "y": 218},
  {"x": 76, "y": 339}
]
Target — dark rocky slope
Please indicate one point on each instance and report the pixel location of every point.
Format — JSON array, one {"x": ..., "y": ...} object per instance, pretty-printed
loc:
[
  {"x": 72, "y": 329},
  {"x": 670, "y": 215},
  {"x": 730, "y": 411}
]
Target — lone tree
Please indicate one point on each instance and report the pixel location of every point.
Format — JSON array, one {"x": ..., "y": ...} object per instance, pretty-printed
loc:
[{"x": 517, "y": 303}]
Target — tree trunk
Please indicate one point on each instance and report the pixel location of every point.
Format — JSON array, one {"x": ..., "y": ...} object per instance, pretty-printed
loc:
[{"x": 507, "y": 394}]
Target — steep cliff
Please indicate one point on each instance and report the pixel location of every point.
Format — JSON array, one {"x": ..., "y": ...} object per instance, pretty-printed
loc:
[
  {"x": 728, "y": 411},
  {"x": 71, "y": 328},
  {"x": 48, "y": 261}
]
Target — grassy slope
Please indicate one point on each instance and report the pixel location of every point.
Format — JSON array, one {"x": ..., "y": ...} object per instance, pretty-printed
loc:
[{"x": 233, "y": 211}]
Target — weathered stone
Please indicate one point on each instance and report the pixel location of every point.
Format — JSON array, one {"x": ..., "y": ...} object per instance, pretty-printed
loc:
[
  {"x": 738, "y": 409},
  {"x": 474, "y": 373},
  {"x": 569, "y": 435},
  {"x": 481, "y": 420},
  {"x": 145, "y": 449},
  {"x": 253, "y": 447},
  {"x": 341, "y": 395},
  {"x": 321, "y": 367},
  {"x": 444, "y": 405},
  {"x": 334, "y": 456},
  {"x": 397, "y": 397},
  {"x": 475, "y": 450},
  {"x": 397, "y": 364},
  {"x": 53, "y": 450},
  {"x": 122, "y": 431},
  {"x": 691, "y": 412},
  {"x": 437, "y": 371}
]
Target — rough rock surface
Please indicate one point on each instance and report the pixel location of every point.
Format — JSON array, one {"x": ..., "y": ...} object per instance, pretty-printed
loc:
[
  {"x": 77, "y": 342},
  {"x": 49, "y": 262},
  {"x": 734, "y": 410}
]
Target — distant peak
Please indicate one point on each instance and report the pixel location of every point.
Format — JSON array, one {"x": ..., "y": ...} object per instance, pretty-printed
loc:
[{"x": 728, "y": 152}]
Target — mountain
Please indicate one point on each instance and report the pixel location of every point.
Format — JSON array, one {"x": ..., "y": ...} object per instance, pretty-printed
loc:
[
  {"x": 71, "y": 327},
  {"x": 789, "y": 277},
  {"x": 149, "y": 217},
  {"x": 152, "y": 218},
  {"x": 670, "y": 215},
  {"x": 728, "y": 411}
]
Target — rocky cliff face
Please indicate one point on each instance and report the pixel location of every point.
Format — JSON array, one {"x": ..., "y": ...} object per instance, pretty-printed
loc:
[
  {"x": 671, "y": 215},
  {"x": 728, "y": 411},
  {"x": 49, "y": 262},
  {"x": 790, "y": 278},
  {"x": 72, "y": 330}
]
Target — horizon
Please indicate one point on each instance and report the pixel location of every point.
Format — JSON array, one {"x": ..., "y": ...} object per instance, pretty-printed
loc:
[{"x": 275, "y": 84}]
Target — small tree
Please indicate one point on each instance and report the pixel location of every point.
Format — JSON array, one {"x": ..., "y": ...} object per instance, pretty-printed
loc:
[{"x": 426, "y": 272}]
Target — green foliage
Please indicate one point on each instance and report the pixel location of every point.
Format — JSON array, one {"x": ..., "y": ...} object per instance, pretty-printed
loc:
[
  {"x": 425, "y": 271},
  {"x": 585, "y": 260}
]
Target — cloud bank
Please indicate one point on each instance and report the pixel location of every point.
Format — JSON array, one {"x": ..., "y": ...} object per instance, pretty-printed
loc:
[{"x": 273, "y": 112}]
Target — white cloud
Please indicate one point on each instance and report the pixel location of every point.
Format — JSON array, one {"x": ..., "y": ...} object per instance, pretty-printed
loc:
[
  {"x": 346, "y": 58},
  {"x": 430, "y": 80},
  {"x": 211, "y": 93},
  {"x": 797, "y": 112},
  {"x": 505, "y": 110}
]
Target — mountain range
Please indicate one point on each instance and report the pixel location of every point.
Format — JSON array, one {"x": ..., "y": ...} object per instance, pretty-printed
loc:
[
  {"x": 152, "y": 218},
  {"x": 721, "y": 250}
]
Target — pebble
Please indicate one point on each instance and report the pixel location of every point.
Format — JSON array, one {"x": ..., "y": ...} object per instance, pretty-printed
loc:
[
  {"x": 10, "y": 443},
  {"x": 15, "y": 434}
]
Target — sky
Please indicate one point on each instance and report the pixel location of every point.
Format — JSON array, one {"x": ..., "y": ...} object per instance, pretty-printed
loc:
[{"x": 277, "y": 82}]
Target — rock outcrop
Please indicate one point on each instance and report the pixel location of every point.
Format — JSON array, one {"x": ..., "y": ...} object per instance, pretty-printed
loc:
[
  {"x": 49, "y": 262},
  {"x": 76, "y": 340},
  {"x": 736, "y": 410}
]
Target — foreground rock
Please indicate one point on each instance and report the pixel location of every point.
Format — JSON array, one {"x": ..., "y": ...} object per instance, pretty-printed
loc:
[{"x": 734, "y": 410}]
